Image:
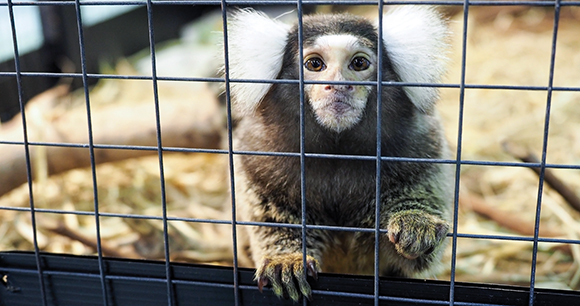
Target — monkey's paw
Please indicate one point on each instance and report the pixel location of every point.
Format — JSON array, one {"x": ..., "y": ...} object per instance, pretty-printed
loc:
[
  {"x": 284, "y": 272},
  {"x": 416, "y": 233}
]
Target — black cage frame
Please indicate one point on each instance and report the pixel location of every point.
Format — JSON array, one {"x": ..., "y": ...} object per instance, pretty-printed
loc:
[{"x": 36, "y": 278}]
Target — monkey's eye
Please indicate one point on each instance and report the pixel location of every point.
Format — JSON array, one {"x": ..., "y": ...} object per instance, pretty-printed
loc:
[
  {"x": 314, "y": 64},
  {"x": 359, "y": 63}
]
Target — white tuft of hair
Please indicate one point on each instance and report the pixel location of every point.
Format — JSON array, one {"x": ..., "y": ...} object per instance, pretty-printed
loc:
[
  {"x": 256, "y": 46},
  {"x": 416, "y": 39}
]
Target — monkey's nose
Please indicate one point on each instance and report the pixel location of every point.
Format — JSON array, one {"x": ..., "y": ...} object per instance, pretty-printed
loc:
[{"x": 339, "y": 87}]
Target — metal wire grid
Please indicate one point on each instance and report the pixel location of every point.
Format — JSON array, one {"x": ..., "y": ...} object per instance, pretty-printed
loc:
[{"x": 458, "y": 162}]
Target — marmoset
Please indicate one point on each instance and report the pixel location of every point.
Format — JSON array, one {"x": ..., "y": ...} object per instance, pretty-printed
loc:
[{"x": 339, "y": 119}]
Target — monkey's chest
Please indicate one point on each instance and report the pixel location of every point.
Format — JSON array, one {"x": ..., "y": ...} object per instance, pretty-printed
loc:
[
  {"x": 339, "y": 196},
  {"x": 337, "y": 192}
]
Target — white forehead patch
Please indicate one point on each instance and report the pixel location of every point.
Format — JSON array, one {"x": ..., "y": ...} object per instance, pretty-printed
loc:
[
  {"x": 345, "y": 41},
  {"x": 336, "y": 42}
]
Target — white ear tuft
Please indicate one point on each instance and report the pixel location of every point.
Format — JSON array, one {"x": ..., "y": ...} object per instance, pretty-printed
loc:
[
  {"x": 416, "y": 40},
  {"x": 256, "y": 46}
]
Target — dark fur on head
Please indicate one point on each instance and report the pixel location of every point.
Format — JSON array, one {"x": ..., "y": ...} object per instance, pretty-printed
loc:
[{"x": 406, "y": 132}]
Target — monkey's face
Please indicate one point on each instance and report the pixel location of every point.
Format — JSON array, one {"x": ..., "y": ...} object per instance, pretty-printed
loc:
[{"x": 338, "y": 107}]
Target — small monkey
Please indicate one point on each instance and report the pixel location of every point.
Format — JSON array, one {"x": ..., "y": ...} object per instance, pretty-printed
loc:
[{"x": 339, "y": 119}]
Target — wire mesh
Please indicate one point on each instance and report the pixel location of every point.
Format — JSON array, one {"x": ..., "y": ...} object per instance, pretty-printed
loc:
[{"x": 225, "y": 6}]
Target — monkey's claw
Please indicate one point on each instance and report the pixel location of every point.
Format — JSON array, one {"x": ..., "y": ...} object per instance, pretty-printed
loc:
[
  {"x": 285, "y": 273},
  {"x": 416, "y": 233}
]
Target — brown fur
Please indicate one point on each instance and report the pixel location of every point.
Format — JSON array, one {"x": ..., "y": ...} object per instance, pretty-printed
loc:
[{"x": 415, "y": 197}]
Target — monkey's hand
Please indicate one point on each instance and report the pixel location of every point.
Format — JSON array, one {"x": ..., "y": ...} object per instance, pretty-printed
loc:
[
  {"x": 415, "y": 232},
  {"x": 286, "y": 271}
]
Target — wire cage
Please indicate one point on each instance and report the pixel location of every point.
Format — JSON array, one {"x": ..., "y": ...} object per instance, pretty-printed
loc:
[{"x": 36, "y": 277}]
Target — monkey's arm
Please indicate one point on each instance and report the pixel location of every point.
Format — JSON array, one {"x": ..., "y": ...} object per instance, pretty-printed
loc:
[
  {"x": 416, "y": 222},
  {"x": 277, "y": 252}
]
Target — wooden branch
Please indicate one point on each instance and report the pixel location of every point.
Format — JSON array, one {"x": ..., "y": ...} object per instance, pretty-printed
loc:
[
  {"x": 549, "y": 177},
  {"x": 193, "y": 123},
  {"x": 63, "y": 230},
  {"x": 509, "y": 221}
]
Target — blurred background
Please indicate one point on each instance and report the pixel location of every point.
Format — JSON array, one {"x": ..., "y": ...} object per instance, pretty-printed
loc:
[{"x": 507, "y": 46}]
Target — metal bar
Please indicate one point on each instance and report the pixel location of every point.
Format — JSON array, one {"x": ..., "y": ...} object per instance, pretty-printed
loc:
[
  {"x": 168, "y": 273},
  {"x": 546, "y": 3},
  {"x": 378, "y": 157},
  {"x": 291, "y": 154},
  {"x": 287, "y": 225},
  {"x": 285, "y": 81},
  {"x": 301, "y": 97},
  {"x": 29, "y": 179},
  {"x": 230, "y": 151},
  {"x": 544, "y": 153},
  {"x": 458, "y": 153},
  {"x": 91, "y": 151}
]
